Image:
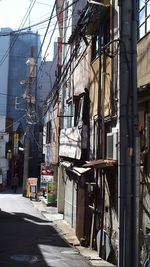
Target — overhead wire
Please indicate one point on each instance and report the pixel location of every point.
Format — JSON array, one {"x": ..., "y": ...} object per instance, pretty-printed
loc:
[
  {"x": 63, "y": 76},
  {"x": 39, "y": 69},
  {"x": 19, "y": 30},
  {"x": 75, "y": 2},
  {"x": 67, "y": 26},
  {"x": 32, "y": 26},
  {"x": 25, "y": 28},
  {"x": 55, "y": 24},
  {"x": 54, "y": 91},
  {"x": 38, "y": 145},
  {"x": 62, "y": 10},
  {"x": 38, "y": 2},
  {"x": 4, "y": 130},
  {"x": 16, "y": 37},
  {"x": 47, "y": 28}
]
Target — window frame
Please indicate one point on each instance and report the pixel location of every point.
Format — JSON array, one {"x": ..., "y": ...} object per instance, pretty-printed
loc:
[{"x": 143, "y": 22}]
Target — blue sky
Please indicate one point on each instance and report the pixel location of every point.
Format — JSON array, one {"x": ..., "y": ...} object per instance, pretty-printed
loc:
[{"x": 12, "y": 13}]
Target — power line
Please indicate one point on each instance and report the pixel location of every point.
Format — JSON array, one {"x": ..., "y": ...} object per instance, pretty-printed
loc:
[
  {"x": 19, "y": 30},
  {"x": 14, "y": 41},
  {"x": 32, "y": 26},
  {"x": 23, "y": 29},
  {"x": 65, "y": 72},
  {"x": 54, "y": 30},
  {"x": 4, "y": 130},
  {"x": 43, "y": 3},
  {"x": 75, "y": 2},
  {"x": 64, "y": 33},
  {"x": 47, "y": 28}
]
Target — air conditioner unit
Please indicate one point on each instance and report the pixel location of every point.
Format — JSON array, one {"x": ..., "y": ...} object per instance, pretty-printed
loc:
[{"x": 112, "y": 145}]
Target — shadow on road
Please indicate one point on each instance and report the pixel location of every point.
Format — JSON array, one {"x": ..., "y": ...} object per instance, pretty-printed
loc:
[{"x": 27, "y": 240}]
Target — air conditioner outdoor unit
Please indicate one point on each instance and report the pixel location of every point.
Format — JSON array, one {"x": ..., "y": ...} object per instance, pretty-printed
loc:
[{"x": 112, "y": 145}]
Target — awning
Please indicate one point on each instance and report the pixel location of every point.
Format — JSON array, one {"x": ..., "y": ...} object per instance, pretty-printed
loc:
[
  {"x": 79, "y": 170},
  {"x": 100, "y": 163},
  {"x": 71, "y": 168},
  {"x": 66, "y": 164}
]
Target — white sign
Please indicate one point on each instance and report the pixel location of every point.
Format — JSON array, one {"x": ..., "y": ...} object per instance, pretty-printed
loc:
[{"x": 46, "y": 178}]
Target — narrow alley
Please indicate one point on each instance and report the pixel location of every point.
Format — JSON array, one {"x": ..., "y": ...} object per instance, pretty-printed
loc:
[{"x": 28, "y": 238}]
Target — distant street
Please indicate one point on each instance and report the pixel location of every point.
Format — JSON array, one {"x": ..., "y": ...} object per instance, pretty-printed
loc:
[{"x": 28, "y": 239}]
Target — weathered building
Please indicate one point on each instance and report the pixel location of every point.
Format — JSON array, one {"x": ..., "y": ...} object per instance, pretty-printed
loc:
[
  {"x": 87, "y": 114},
  {"x": 143, "y": 84},
  {"x": 88, "y": 123}
]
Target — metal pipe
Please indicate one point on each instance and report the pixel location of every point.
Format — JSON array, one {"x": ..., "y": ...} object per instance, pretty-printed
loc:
[
  {"x": 135, "y": 159},
  {"x": 128, "y": 176}
]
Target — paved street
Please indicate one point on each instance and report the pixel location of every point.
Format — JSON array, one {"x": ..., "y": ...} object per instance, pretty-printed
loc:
[{"x": 28, "y": 239}]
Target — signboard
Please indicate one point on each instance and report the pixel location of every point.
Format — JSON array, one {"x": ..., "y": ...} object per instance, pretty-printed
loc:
[
  {"x": 51, "y": 192},
  {"x": 1, "y": 180},
  {"x": 44, "y": 181},
  {"x": 31, "y": 186},
  {"x": 16, "y": 138},
  {"x": 70, "y": 143},
  {"x": 32, "y": 181},
  {"x": 47, "y": 175}
]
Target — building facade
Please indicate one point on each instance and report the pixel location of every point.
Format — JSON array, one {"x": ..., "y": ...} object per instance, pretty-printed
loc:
[
  {"x": 15, "y": 50},
  {"x": 97, "y": 199},
  {"x": 143, "y": 85}
]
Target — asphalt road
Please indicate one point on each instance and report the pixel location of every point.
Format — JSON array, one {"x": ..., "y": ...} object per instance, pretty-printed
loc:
[{"x": 28, "y": 239}]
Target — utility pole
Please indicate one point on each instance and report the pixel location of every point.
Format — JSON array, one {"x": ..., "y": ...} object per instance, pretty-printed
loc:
[
  {"x": 128, "y": 182},
  {"x": 30, "y": 101}
]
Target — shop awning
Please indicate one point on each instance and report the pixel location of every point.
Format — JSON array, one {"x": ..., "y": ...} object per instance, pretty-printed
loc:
[
  {"x": 74, "y": 169},
  {"x": 100, "y": 163},
  {"x": 66, "y": 164},
  {"x": 79, "y": 170}
]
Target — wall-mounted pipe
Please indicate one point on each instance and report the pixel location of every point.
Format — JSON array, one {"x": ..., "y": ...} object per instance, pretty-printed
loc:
[{"x": 147, "y": 134}]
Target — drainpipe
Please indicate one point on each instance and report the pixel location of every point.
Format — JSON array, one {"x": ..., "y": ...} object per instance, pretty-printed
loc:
[
  {"x": 147, "y": 131},
  {"x": 99, "y": 152},
  {"x": 102, "y": 175},
  {"x": 128, "y": 178}
]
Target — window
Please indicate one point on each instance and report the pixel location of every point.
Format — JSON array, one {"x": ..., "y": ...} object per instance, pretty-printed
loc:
[
  {"x": 82, "y": 109},
  {"x": 101, "y": 37},
  {"x": 95, "y": 47},
  {"x": 144, "y": 17},
  {"x": 69, "y": 114}
]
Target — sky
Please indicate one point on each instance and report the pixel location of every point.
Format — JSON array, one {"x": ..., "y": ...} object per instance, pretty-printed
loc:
[{"x": 13, "y": 14}]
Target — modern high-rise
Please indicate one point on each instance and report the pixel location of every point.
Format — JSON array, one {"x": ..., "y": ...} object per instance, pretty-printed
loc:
[{"x": 15, "y": 49}]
